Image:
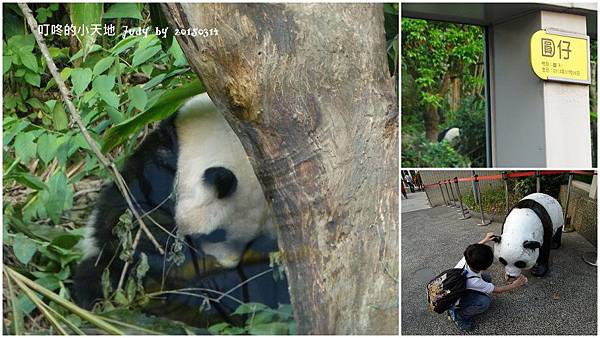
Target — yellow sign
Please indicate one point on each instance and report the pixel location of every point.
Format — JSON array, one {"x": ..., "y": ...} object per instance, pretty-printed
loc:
[{"x": 560, "y": 56}]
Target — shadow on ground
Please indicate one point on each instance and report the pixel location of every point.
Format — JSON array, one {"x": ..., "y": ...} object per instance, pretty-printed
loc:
[{"x": 563, "y": 302}]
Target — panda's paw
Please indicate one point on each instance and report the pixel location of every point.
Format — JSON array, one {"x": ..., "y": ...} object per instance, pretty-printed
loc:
[
  {"x": 554, "y": 245},
  {"x": 539, "y": 270}
]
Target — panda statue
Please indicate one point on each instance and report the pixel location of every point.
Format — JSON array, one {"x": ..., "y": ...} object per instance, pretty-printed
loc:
[
  {"x": 194, "y": 187},
  {"x": 531, "y": 229}
]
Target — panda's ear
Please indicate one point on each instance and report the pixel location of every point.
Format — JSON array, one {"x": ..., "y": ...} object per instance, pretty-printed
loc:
[
  {"x": 532, "y": 245},
  {"x": 496, "y": 239}
]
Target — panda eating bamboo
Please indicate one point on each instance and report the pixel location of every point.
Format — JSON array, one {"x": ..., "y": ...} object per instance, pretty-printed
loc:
[{"x": 531, "y": 229}]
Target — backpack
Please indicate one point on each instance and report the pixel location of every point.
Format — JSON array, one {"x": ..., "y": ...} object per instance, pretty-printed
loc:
[{"x": 445, "y": 289}]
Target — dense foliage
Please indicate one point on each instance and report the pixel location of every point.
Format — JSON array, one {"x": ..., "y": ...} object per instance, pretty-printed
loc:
[{"x": 442, "y": 87}]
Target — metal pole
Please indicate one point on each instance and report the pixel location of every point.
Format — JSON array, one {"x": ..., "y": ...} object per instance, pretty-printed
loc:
[
  {"x": 478, "y": 200},
  {"x": 442, "y": 191},
  {"x": 427, "y": 195},
  {"x": 462, "y": 209},
  {"x": 448, "y": 194},
  {"x": 567, "y": 219},
  {"x": 505, "y": 178},
  {"x": 538, "y": 176},
  {"x": 452, "y": 192}
]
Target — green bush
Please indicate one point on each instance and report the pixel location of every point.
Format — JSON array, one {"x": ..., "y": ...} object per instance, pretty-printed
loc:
[
  {"x": 418, "y": 152},
  {"x": 470, "y": 118}
]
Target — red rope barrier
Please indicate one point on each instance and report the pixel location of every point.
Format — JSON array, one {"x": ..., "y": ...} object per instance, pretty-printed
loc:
[{"x": 513, "y": 175}]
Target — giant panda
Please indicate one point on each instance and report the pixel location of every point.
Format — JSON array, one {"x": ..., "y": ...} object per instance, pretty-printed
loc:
[
  {"x": 193, "y": 184},
  {"x": 450, "y": 135},
  {"x": 530, "y": 230}
]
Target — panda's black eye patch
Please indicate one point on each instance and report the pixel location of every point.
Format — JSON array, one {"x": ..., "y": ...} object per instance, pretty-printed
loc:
[
  {"x": 222, "y": 179},
  {"x": 520, "y": 264},
  {"x": 502, "y": 260}
]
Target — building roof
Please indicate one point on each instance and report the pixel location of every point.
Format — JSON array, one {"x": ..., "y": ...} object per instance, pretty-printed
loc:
[{"x": 486, "y": 14}]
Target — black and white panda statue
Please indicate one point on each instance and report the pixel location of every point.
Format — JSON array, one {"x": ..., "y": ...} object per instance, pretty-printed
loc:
[
  {"x": 198, "y": 194},
  {"x": 531, "y": 229},
  {"x": 450, "y": 135}
]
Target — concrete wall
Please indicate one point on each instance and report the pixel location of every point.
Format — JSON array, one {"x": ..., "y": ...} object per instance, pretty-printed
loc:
[
  {"x": 582, "y": 210},
  {"x": 433, "y": 176},
  {"x": 535, "y": 123}
]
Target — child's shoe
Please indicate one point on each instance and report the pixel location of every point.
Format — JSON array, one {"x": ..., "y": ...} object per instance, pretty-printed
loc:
[{"x": 462, "y": 324}]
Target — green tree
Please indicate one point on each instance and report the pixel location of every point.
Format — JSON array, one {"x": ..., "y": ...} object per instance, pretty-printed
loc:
[{"x": 435, "y": 53}]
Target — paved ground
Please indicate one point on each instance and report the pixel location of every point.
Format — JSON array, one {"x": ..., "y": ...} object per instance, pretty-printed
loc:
[
  {"x": 415, "y": 201},
  {"x": 563, "y": 302}
]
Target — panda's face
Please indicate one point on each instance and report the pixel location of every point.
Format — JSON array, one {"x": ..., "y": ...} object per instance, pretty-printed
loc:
[
  {"x": 515, "y": 258},
  {"x": 216, "y": 189},
  {"x": 519, "y": 246}
]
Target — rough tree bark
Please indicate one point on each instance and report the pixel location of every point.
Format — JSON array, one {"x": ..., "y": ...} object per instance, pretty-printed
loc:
[{"x": 307, "y": 90}]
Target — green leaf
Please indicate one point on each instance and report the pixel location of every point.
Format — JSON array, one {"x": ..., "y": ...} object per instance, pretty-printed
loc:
[
  {"x": 263, "y": 317},
  {"x": 28, "y": 60},
  {"x": 124, "y": 44},
  {"x": 57, "y": 53},
  {"x": 178, "y": 54},
  {"x": 10, "y": 130},
  {"x": 144, "y": 55},
  {"x": 120, "y": 298},
  {"x": 81, "y": 78},
  {"x": 25, "y": 146},
  {"x": 138, "y": 97},
  {"x": 218, "y": 328},
  {"x": 123, "y": 10},
  {"x": 34, "y": 102},
  {"x": 114, "y": 114},
  {"x": 103, "y": 86},
  {"x": 247, "y": 308},
  {"x": 269, "y": 329},
  {"x": 86, "y": 15},
  {"x": 81, "y": 53},
  {"x": 57, "y": 191},
  {"x": 33, "y": 79},
  {"x": 103, "y": 65},
  {"x": 65, "y": 73},
  {"x": 6, "y": 63},
  {"x": 59, "y": 116},
  {"x": 67, "y": 241},
  {"x": 28, "y": 180},
  {"x": 24, "y": 248},
  {"x": 21, "y": 42},
  {"x": 47, "y": 146},
  {"x": 168, "y": 103}
]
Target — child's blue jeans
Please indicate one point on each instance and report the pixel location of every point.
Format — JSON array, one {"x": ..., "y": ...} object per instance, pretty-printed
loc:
[{"x": 474, "y": 302}]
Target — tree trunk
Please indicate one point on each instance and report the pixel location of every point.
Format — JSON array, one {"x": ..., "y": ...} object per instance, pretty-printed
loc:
[
  {"x": 307, "y": 89},
  {"x": 432, "y": 119}
]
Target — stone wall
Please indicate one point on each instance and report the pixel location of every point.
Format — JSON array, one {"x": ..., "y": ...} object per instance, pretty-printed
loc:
[{"x": 582, "y": 210}]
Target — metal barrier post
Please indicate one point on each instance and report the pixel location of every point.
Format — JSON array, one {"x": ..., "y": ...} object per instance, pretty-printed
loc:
[
  {"x": 452, "y": 192},
  {"x": 538, "y": 176},
  {"x": 478, "y": 201},
  {"x": 448, "y": 194},
  {"x": 462, "y": 209},
  {"x": 424, "y": 188},
  {"x": 567, "y": 219},
  {"x": 505, "y": 178},
  {"x": 442, "y": 191}
]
